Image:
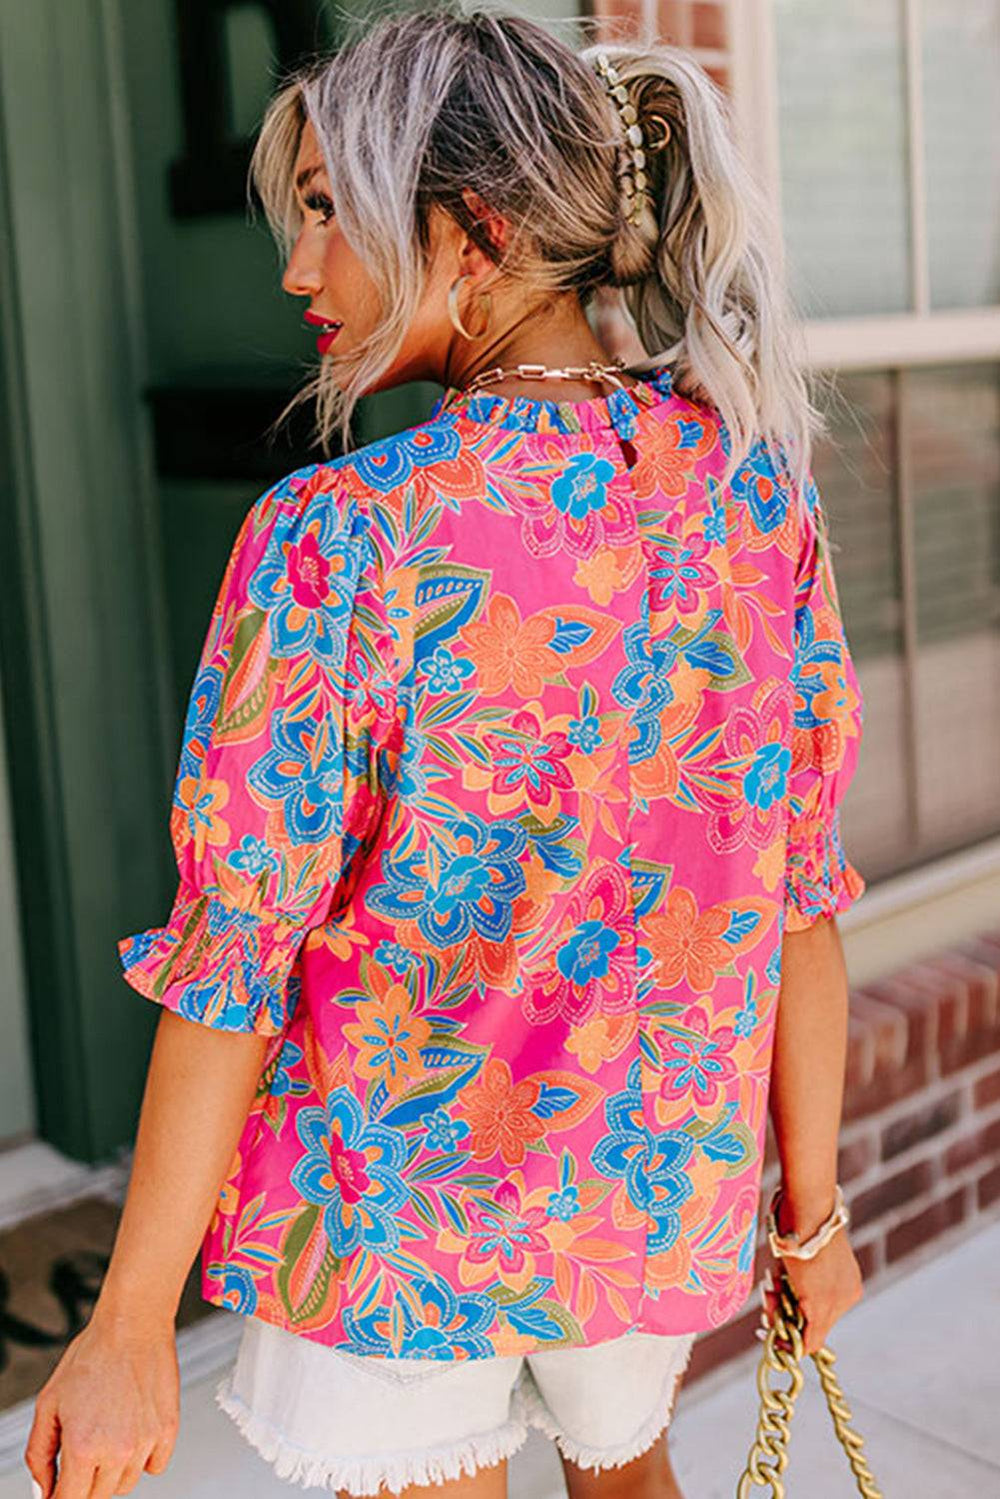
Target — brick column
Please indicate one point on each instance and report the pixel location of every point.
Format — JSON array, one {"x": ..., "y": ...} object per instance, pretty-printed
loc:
[{"x": 919, "y": 1156}]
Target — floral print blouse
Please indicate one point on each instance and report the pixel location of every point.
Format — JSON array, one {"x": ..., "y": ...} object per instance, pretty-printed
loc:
[{"x": 515, "y": 745}]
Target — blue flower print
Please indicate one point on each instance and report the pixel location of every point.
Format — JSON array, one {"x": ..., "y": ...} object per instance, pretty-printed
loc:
[
  {"x": 644, "y": 685},
  {"x": 565, "y": 1204},
  {"x": 585, "y": 733},
  {"x": 239, "y": 1291},
  {"x": 202, "y": 711},
  {"x": 406, "y": 779},
  {"x": 387, "y": 464},
  {"x": 765, "y": 780},
  {"x": 446, "y": 672},
  {"x": 351, "y": 1170},
  {"x": 307, "y": 578},
  {"x": 756, "y": 485},
  {"x": 252, "y": 856},
  {"x": 468, "y": 885},
  {"x": 715, "y": 522},
  {"x": 651, "y": 1166},
  {"x": 443, "y": 1132},
  {"x": 447, "y": 1326},
  {"x": 746, "y": 1019},
  {"x": 585, "y": 955},
  {"x": 395, "y": 956},
  {"x": 289, "y": 1057},
  {"x": 810, "y": 681},
  {"x": 584, "y": 485},
  {"x": 310, "y": 796}
]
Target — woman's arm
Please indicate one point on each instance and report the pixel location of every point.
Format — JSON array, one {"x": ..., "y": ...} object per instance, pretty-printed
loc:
[
  {"x": 807, "y": 1072},
  {"x": 806, "y": 1101},
  {"x": 110, "y": 1408},
  {"x": 199, "y": 1088}
]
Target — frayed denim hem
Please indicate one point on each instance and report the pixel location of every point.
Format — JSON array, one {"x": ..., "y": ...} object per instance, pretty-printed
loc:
[
  {"x": 364, "y": 1476},
  {"x": 532, "y": 1410}
]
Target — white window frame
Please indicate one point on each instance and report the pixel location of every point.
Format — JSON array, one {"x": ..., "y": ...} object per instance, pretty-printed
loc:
[{"x": 919, "y": 336}]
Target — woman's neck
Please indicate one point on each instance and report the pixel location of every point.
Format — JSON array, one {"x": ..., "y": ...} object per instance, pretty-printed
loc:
[{"x": 555, "y": 338}]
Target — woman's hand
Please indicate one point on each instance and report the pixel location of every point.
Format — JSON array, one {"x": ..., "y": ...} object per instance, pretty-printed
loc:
[
  {"x": 110, "y": 1409},
  {"x": 826, "y": 1287}
]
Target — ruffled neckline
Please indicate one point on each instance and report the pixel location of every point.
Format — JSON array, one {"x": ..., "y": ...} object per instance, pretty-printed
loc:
[{"x": 618, "y": 409}]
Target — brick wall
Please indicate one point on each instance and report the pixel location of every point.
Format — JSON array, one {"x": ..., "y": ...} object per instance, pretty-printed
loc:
[
  {"x": 919, "y": 1156},
  {"x": 702, "y": 27}
]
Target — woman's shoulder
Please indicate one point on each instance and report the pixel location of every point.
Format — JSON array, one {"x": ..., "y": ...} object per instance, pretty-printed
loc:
[
  {"x": 307, "y": 524},
  {"x": 764, "y": 489},
  {"x": 373, "y": 470}
]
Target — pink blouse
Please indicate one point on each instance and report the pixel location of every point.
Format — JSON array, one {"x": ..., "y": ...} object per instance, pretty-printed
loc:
[{"x": 516, "y": 744}]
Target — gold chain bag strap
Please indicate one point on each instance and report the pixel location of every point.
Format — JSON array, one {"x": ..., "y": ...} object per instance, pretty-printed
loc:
[{"x": 783, "y": 1348}]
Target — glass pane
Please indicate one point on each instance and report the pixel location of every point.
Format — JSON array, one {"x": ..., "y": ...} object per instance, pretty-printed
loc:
[
  {"x": 953, "y": 417},
  {"x": 854, "y": 474},
  {"x": 842, "y": 129},
  {"x": 961, "y": 64}
]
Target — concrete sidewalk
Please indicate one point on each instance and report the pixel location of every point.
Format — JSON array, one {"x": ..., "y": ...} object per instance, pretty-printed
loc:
[{"x": 919, "y": 1364}]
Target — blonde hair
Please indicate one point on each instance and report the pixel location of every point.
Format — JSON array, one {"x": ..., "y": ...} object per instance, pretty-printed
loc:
[{"x": 419, "y": 104}]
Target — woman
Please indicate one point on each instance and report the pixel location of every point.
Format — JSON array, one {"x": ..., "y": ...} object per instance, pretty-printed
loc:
[{"x": 507, "y": 801}]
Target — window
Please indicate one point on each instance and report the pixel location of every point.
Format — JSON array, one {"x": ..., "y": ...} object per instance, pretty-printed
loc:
[
  {"x": 961, "y": 128},
  {"x": 841, "y": 87},
  {"x": 874, "y": 125},
  {"x": 889, "y": 144}
]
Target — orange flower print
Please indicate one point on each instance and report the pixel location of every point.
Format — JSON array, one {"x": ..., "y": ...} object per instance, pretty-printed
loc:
[
  {"x": 339, "y": 938},
  {"x": 388, "y": 1038},
  {"x": 201, "y": 800},
  {"x": 509, "y": 652},
  {"x": 670, "y": 451},
  {"x": 602, "y": 575},
  {"x": 601, "y": 1039},
  {"x": 687, "y": 946},
  {"x": 499, "y": 1114},
  {"x": 833, "y": 698}
]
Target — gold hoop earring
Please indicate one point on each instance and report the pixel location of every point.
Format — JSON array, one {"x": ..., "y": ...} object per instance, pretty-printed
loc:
[
  {"x": 657, "y": 143},
  {"x": 454, "y": 314}
]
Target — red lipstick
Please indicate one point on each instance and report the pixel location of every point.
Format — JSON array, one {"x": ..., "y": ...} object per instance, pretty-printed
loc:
[{"x": 330, "y": 328}]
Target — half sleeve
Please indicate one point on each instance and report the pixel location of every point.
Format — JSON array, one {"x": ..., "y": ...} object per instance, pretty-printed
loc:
[
  {"x": 291, "y": 722},
  {"x": 826, "y": 737}
]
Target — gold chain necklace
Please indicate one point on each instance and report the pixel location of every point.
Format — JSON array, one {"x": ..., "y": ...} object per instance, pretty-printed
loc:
[{"x": 592, "y": 371}]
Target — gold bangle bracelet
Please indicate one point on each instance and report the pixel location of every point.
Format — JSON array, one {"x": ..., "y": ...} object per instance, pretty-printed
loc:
[{"x": 788, "y": 1246}]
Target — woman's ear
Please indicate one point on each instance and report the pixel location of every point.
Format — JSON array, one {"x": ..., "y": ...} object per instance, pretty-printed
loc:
[{"x": 495, "y": 225}]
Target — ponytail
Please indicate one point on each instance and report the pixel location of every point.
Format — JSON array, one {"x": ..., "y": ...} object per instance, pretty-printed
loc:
[{"x": 702, "y": 272}]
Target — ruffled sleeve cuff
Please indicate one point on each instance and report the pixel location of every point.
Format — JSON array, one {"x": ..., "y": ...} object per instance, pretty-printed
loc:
[
  {"x": 819, "y": 878},
  {"x": 218, "y": 964}
]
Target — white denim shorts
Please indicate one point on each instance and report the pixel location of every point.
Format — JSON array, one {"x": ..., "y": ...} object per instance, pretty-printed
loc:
[{"x": 328, "y": 1419}]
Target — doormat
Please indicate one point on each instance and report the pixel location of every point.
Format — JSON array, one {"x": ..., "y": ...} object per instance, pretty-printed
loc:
[{"x": 51, "y": 1269}]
